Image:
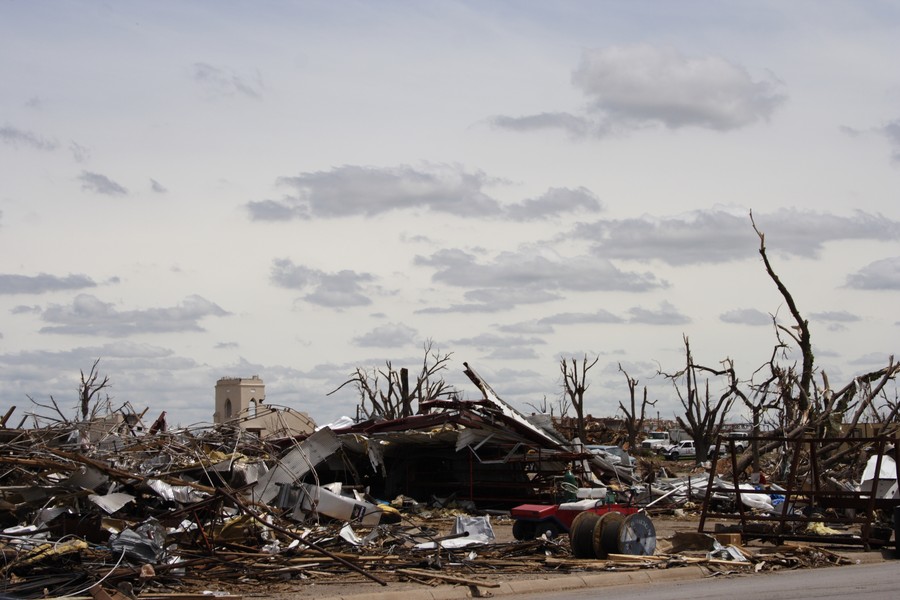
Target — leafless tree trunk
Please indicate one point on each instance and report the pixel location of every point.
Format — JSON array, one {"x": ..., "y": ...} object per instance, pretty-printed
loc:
[
  {"x": 798, "y": 332},
  {"x": 804, "y": 408},
  {"x": 703, "y": 416},
  {"x": 543, "y": 407},
  {"x": 386, "y": 393},
  {"x": 574, "y": 386},
  {"x": 563, "y": 406},
  {"x": 89, "y": 388},
  {"x": 888, "y": 413},
  {"x": 762, "y": 402},
  {"x": 634, "y": 424},
  {"x": 866, "y": 389}
]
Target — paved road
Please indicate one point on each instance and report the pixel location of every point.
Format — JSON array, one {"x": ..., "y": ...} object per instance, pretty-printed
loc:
[{"x": 868, "y": 582}]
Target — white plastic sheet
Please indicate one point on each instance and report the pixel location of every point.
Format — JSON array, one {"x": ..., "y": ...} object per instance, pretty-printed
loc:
[{"x": 478, "y": 530}]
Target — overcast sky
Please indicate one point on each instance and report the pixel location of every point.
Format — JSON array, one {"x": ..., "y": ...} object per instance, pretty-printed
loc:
[{"x": 196, "y": 190}]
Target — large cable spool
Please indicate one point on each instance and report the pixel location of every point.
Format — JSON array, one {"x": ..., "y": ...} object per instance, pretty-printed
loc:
[
  {"x": 581, "y": 534},
  {"x": 596, "y": 540},
  {"x": 608, "y": 535},
  {"x": 637, "y": 535}
]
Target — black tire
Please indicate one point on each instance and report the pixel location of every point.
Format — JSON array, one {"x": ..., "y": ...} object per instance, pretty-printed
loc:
[
  {"x": 674, "y": 456},
  {"x": 523, "y": 530}
]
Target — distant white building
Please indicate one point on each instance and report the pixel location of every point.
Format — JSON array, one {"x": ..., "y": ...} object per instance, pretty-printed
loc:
[{"x": 241, "y": 401}]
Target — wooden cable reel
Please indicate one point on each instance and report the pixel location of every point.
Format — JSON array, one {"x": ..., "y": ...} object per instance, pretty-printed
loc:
[
  {"x": 581, "y": 534},
  {"x": 598, "y": 536}
]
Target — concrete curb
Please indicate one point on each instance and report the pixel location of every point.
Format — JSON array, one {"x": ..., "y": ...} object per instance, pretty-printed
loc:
[
  {"x": 596, "y": 580},
  {"x": 532, "y": 586}
]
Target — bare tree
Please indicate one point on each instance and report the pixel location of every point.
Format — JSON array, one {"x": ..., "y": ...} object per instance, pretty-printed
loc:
[
  {"x": 762, "y": 401},
  {"x": 802, "y": 406},
  {"x": 857, "y": 399},
  {"x": 887, "y": 412},
  {"x": 806, "y": 406},
  {"x": 90, "y": 400},
  {"x": 703, "y": 415},
  {"x": 634, "y": 424},
  {"x": 430, "y": 385},
  {"x": 90, "y": 387},
  {"x": 563, "y": 405},
  {"x": 574, "y": 386},
  {"x": 386, "y": 392},
  {"x": 543, "y": 407},
  {"x": 55, "y": 408}
]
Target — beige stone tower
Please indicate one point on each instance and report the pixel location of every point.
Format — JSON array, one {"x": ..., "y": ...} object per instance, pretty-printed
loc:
[
  {"x": 236, "y": 396},
  {"x": 240, "y": 400}
]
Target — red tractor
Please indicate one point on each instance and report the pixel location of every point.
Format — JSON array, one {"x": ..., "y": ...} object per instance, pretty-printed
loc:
[
  {"x": 534, "y": 520},
  {"x": 595, "y": 529}
]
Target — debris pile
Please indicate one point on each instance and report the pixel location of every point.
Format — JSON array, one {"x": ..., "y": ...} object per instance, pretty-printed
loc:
[
  {"x": 104, "y": 501},
  {"x": 106, "y": 507}
]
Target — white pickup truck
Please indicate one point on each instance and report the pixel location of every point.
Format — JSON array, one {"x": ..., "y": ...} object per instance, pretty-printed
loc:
[{"x": 683, "y": 449}]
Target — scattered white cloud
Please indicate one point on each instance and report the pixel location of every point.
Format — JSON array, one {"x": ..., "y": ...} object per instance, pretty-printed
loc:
[
  {"x": 837, "y": 316},
  {"x": 333, "y": 290},
  {"x": 600, "y": 316},
  {"x": 535, "y": 327},
  {"x": 666, "y": 314},
  {"x": 637, "y": 86},
  {"x": 389, "y": 335},
  {"x": 15, "y": 137},
  {"x": 355, "y": 190},
  {"x": 101, "y": 184},
  {"x": 892, "y": 132},
  {"x": 80, "y": 153},
  {"x": 882, "y": 274},
  {"x": 574, "y": 126},
  {"x": 512, "y": 353},
  {"x": 517, "y": 271},
  {"x": 43, "y": 282},
  {"x": 23, "y": 309},
  {"x": 634, "y": 86},
  {"x": 368, "y": 191},
  {"x": 716, "y": 236},
  {"x": 89, "y": 316},
  {"x": 493, "y": 343},
  {"x": 555, "y": 202},
  {"x": 225, "y": 82}
]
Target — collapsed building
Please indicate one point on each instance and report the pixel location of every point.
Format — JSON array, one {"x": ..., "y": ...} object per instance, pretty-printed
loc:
[{"x": 483, "y": 451}]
